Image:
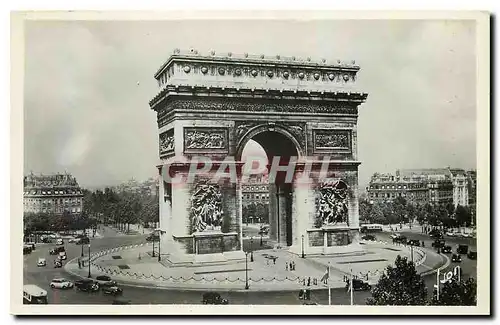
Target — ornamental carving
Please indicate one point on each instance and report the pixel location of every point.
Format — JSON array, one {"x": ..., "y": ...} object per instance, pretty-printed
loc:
[
  {"x": 205, "y": 138},
  {"x": 166, "y": 142},
  {"x": 331, "y": 203},
  {"x": 332, "y": 139},
  {"x": 296, "y": 129},
  {"x": 242, "y": 105},
  {"x": 206, "y": 208}
]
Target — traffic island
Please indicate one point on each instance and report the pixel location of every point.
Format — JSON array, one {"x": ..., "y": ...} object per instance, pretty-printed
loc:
[{"x": 263, "y": 270}]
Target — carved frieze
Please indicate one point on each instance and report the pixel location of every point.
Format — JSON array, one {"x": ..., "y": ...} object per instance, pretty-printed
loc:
[
  {"x": 206, "y": 208},
  {"x": 166, "y": 142},
  {"x": 204, "y": 138},
  {"x": 331, "y": 203},
  {"x": 297, "y": 129},
  {"x": 335, "y": 139},
  {"x": 241, "y": 105}
]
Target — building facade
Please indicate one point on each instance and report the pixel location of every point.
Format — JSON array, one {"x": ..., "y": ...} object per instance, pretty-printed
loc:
[
  {"x": 54, "y": 194},
  {"x": 256, "y": 190},
  {"x": 434, "y": 186},
  {"x": 471, "y": 178},
  {"x": 386, "y": 188}
]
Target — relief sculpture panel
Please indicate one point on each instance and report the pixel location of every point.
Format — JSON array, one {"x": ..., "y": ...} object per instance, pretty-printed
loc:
[
  {"x": 196, "y": 139},
  {"x": 337, "y": 140},
  {"x": 166, "y": 142},
  {"x": 331, "y": 202},
  {"x": 206, "y": 208}
]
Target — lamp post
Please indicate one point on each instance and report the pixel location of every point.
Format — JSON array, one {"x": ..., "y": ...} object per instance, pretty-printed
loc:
[
  {"x": 251, "y": 249},
  {"x": 261, "y": 239},
  {"x": 153, "y": 247},
  {"x": 82, "y": 249},
  {"x": 159, "y": 244},
  {"x": 89, "y": 276},
  {"x": 303, "y": 255},
  {"x": 246, "y": 271}
]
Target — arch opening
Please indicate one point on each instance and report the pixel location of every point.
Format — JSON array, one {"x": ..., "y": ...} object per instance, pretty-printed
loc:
[{"x": 277, "y": 147}]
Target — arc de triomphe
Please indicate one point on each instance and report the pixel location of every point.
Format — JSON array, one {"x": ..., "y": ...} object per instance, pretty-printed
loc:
[{"x": 304, "y": 112}]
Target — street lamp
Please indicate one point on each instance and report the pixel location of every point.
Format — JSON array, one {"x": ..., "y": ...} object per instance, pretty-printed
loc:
[
  {"x": 160, "y": 232},
  {"x": 89, "y": 276},
  {"x": 303, "y": 247},
  {"x": 251, "y": 249},
  {"x": 82, "y": 249},
  {"x": 246, "y": 271}
]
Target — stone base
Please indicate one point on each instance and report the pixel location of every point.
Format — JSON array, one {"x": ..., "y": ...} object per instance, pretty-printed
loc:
[
  {"x": 204, "y": 259},
  {"x": 330, "y": 240}
]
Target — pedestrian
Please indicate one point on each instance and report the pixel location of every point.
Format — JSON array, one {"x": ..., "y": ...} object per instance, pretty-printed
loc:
[
  {"x": 309, "y": 281},
  {"x": 293, "y": 264},
  {"x": 79, "y": 264},
  {"x": 267, "y": 260},
  {"x": 286, "y": 266},
  {"x": 315, "y": 281},
  {"x": 274, "y": 260}
]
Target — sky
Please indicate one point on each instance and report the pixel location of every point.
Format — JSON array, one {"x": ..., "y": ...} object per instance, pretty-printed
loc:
[{"x": 88, "y": 83}]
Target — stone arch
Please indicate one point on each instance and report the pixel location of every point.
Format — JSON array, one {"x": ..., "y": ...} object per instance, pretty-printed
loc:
[{"x": 262, "y": 128}]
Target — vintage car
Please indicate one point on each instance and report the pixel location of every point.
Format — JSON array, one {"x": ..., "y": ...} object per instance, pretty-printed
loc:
[
  {"x": 358, "y": 285},
  {"x": 462, "y": 249},
  {"x": 472, "y": 255},
  {"x": 61, "y": 283},
  {"x": 446, "y": 249},
  {"x": 438, "y": 243},
  {"x": 57, "y": 263},
  {"x": 41, "y": 262},
  {"x": 105, "y": 281},
  {"x": 59, "y": 241},
  {"x": 369, "y": 237},
  {"x": 57, "y": 250},
  {"x": 114, "y": 290},
  {"x": 62, "y": 255},
  {"x": 456, "y": 258},
  {"x": 86, "y": 285},
  {"x": 414, "y": 242},
  {"x": 83, "y": 241},
  {"x": 213, "y": 298}
]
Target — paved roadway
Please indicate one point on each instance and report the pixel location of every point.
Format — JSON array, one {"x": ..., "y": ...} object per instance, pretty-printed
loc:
[{"x": 42, "y": 276}]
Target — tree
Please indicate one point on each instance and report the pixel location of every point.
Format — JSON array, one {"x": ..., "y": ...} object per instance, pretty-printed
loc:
[
  {"x": 365, "y": 211},
  {"x": 457, "y": 293},
  {"x": 400, "y": 285},
  {"x": 463, "y": 216}
]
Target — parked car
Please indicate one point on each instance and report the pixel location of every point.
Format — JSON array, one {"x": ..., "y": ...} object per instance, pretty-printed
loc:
[
  {"x": 62, "y": 255},
  {"x": 456, "y": 258},
  {"x": 414, "y": 242},
  {"x": 72, "y": 240},
  {"x": 41, "y": 262},
  {"x": 59, "y": 241},
  {"x": 105, "y": 281},
  {"x": 57, "y": 250},
  {"x": 446, "y": 249},
  {"x": 369, "y": 237},
  {"x": 152, "y": 237},
  {"x": 472, "y": 255},
  {"x": 61, "y": 283},
  {"x": 114, "y": 290},
  {"x": 462, "y": 249},
  {"x": 467, "y": 235},
  {"x": 213, "y": 298},
  {"x": 32, "y": 244},
  {"x": 86, "y": 285},
  {"x": 451, "y": 234},
  {"x": 358, "y": 285}
]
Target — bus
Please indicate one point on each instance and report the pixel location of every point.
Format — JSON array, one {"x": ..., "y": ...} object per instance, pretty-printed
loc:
[
  {"x": 371, "y": 228},
  {"x": 33, "y": 294}
]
